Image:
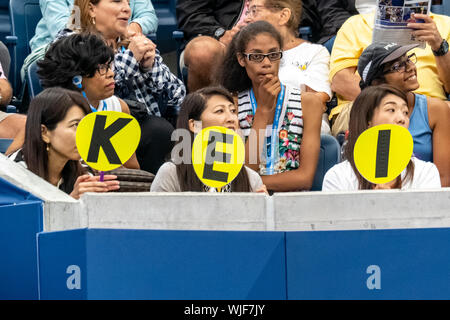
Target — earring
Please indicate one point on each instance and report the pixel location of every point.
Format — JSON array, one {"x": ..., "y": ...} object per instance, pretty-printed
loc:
[
  {"x": 93, "y": 21},
  {"x": 48, "y": 148}
]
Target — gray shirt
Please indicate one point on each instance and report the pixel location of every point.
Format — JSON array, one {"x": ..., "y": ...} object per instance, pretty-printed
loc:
[{"x": 166, "y": 180}]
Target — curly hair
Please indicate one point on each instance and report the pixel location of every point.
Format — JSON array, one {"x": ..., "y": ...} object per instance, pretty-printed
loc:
[
  {"x": 77, "y": 54},
  {"x": 232, "y": 75}
]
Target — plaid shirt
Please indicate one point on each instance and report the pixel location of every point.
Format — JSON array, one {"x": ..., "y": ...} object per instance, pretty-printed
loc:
[{"x": 145, "y": 86}]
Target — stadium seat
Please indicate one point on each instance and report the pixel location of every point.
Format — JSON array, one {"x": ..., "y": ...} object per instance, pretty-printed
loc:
[
  {"x": 167, "y": 24},
  {"x": 33, "y": 82},
  {"x": 5, "y": 22},
  {"x": 4, "y": 144},
  {"x": 443, "y": 8},
  {"x": 25, "y": 14},
  {"x": 330, "y": 154}
]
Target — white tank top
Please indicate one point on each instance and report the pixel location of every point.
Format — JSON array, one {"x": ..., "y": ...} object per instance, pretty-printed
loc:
[{"x": 112, "y": 104}]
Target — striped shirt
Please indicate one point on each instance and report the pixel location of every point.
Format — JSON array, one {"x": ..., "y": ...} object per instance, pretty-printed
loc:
[{"x": 290, "y": 129}]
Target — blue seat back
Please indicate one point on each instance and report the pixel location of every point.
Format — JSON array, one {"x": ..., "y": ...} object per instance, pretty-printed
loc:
[
  {"x": 443, "y": 8},
  {"x": 4, "y": 144},
  {"x": 167, "y": 24},
  {"x": 33, "y": 81},
  {"x": 330, "y": 154},
  {"x": 25, "y": 14}
]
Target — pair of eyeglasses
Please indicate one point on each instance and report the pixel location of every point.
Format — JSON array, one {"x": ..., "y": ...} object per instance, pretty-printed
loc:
[
  {"x": 254, "y": 10},
  {"x": 400, "y": 66},
  {"x": 103, "y": 69},
  {"x": 259, "y": 57}
]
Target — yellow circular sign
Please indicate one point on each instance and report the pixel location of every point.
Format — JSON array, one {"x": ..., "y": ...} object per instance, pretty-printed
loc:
[
  {"x": 107, "y": 139},
  {"x": 382, "y": 152},
  {"x": 218, "y": 154}
]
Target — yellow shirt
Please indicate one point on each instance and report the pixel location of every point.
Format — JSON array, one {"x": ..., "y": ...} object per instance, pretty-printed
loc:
[{"x": 356, "y": 34}]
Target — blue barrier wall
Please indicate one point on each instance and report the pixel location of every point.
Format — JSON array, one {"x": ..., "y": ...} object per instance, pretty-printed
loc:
[
  {"x": 145, "y": 264},
  {"x": 148, "y": 264},
  {"x": 20, "y": 221}
]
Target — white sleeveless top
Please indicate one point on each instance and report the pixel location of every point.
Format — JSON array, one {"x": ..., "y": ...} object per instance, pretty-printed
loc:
[{"x": 112, "y": 104}]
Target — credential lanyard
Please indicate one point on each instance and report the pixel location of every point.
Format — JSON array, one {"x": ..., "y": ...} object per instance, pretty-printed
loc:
[
  {"x": 271, "y": 152},
  {"x": 103, "y": 109}
]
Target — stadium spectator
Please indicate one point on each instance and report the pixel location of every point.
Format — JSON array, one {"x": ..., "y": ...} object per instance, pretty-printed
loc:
[
  {"x": 140, "y": 74},
  {"x": 377, "y": 105},
  {"x": 87, "y": 57},
  {"x": 56, "y": 14},
  {"x": 433, "y": 67},
  {"x": 210, "y": 106},
  {"x": 429, "y": 117},
  {"x": 12, "y": 126},
  {"x": 325, "y": 17},
  {"x": 208, "y": 27},
  {"x": 293, "y": 119},
  {"x": 304, "y": 65},
  {"x": 50, "y": 149}
]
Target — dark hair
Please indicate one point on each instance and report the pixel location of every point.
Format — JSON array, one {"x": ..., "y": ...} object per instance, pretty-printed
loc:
[
  {"x": 362, "y": 112},
  {"x": 49, "y": 108},
  {"x": 231, "y": 75},
  {"x": 192, "y": 108},
  {"x": 77, "y": 54}
]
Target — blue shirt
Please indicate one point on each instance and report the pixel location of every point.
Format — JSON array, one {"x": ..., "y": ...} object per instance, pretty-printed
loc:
[
  {"x": 55, "y": 14},
  {"x": 419, "y": 127}
]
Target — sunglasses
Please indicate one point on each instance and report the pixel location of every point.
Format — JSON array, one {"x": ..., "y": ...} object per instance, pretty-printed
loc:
[{"x": 259, "y": 57}]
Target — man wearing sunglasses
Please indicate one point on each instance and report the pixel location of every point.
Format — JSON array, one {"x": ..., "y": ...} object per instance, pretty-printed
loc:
[{"x": 389, "y": 63}]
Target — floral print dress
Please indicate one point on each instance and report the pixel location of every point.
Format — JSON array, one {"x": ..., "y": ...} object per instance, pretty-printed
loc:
[{"x": 290, "y": 129}]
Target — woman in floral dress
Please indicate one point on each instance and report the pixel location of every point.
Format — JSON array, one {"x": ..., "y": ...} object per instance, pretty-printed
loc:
[{"x": 281, "y": 125}]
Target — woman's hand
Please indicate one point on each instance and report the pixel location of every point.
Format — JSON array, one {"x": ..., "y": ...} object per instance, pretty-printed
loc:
[
  {"x": 148, "y": 59},
  {"x": 87, "y": 183},
  {"x": 139, "y": 45},
  {"x": 267, "y": 93}
]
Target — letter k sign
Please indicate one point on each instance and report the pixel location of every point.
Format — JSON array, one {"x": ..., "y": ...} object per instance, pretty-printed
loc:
[
  {"x": 101, "y": 137},
  {"x": 107, "y": 139}
]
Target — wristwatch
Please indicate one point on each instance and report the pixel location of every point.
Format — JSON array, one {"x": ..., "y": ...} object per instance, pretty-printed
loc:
[
  {"x": 219, "y": 33},
  {"x": 443, "y": 49}
]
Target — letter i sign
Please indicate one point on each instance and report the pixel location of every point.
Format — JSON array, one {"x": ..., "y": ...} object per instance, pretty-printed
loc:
[
  {"x": 382, "y": 152},
  {"x": 107, "y": 139}
]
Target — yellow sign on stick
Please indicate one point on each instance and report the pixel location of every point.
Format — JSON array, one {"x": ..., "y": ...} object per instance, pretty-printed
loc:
[
  {"x": 107, "y": 139},
  {"x": 218, "y": 154},
  {"x": 382, "y": 152}
]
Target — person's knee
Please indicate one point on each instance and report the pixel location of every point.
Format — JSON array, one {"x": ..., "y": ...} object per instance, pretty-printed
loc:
[{"x": 202, "y": 51}]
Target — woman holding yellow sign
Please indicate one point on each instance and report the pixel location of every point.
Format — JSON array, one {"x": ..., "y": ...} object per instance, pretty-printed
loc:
[
  {"x": 376, "y": 106},
  {"x": 207, "y": 107},
  {"x": 281, "y": 124},
  {"x": 50, "y": 149}
]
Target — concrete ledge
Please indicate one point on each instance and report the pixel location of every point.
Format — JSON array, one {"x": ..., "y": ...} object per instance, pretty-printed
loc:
[
  {"x": 175, "y": 211},
  {"x": 378, "y": 209},
  {"x": 28, "y": 181}
]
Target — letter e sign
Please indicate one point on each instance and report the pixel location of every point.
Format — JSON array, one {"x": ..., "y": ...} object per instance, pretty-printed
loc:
[{"x": 218, "y": 154}]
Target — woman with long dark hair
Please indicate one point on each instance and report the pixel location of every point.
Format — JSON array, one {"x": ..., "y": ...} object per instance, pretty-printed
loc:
[
  {"x": 50, "y": 149},
  {"x": 279, "y": 121},
  {"x": 377, "y": 105},
  {"x": 210, "y": 106}
]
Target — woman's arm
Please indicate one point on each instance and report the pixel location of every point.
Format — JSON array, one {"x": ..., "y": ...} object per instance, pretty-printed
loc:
[
  {"x": 439, "y": 119},
  {"x": 302, "y": 177}
]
